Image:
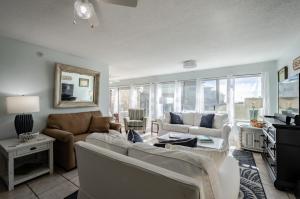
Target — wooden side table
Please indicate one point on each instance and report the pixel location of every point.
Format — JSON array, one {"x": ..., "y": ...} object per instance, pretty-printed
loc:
[
  {"x": 11, "y": 151},
  {"x": 251, "y": 138},
  {"x": 154, "y": 123}
]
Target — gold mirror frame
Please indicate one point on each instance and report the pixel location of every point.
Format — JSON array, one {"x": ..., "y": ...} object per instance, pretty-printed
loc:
[{"x": 58, "y": 103}]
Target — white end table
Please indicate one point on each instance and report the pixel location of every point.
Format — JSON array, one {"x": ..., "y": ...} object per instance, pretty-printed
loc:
[
  {"x": 251, "y": 138},
  {"x": 12, "y": 148}
]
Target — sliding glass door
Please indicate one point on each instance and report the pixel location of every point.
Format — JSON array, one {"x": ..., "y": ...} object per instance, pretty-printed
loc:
[
  {"x": 188, "y": 96},
  {"x": 214, "y": 95},
  {"x": 167, "y": 97},
  {"x": 245, "y": 87},
  {"x": 143, "y": 98}
]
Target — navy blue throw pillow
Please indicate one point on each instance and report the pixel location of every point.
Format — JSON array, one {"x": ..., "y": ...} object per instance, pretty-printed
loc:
[
  {"x": 134, "y": 136},
  {"x": 207, "y": 120},
  {"x": 176, "y": 118}
]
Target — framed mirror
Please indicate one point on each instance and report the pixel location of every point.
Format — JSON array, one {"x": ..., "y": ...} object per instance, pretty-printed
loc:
[{"x": 75, "y": 87}]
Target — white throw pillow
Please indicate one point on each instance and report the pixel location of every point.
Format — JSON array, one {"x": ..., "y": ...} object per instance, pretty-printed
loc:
[
  {"x": 197, "y": 119},
  {"x": 188, "y": 118},
  {"x": 112, "y": 141},
  {"x": 220, "y": 120}
]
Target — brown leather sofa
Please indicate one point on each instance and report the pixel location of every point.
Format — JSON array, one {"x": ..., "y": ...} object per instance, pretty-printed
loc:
[{"x": 68, "y": 129}]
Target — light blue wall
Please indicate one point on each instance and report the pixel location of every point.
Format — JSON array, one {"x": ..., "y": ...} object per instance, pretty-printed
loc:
[
  {"x": 23, "y": 72},
  {"x": 287, "y": 58},
  {"x": 255, "y": 68}
]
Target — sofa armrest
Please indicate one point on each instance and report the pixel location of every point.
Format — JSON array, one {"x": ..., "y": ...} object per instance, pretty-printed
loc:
[
  {"x": 115, "y": 126},
  {"x": 226, "y": 129},
  {"x": 59, "y": 135}
]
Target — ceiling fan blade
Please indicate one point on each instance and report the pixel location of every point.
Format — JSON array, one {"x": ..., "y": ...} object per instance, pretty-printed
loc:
[
  {"x": 129, "y": 3},
  {"x": 93, "y": 21}
]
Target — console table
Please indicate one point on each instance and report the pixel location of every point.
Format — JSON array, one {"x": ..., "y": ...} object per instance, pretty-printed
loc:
[{"x": 14, "y": 154}]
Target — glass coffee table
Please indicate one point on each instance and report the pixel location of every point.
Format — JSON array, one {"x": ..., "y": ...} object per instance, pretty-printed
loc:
[{"x": 216, "y": 143}]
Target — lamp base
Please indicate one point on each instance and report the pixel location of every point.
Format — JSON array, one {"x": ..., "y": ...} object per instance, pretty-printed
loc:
[{"x": 23, "y": 123}]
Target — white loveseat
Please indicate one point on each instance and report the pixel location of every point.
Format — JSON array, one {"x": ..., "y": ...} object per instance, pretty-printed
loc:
[
  {"x": 110, "y": 168},
  {"x": 191, "y": 124}
]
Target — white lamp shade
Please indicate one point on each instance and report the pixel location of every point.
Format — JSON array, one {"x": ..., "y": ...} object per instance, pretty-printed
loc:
[
  {"x": 254, "y": 102},
  {"x": 23, "y": 104}
]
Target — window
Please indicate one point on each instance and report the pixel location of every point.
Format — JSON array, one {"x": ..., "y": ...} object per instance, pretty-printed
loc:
[
  {"x": 215, "y": 95},
  {"x": 188, "y": 96},
  {"x": 123, "y": 101},
  {"x": 167, "y": 97},
  {"x": 143, "y": 98},
  {"x": 245, "y": 87}
]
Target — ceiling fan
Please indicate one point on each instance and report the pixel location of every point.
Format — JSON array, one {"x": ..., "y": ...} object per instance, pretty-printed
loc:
[{"x": 88, "y": 9}]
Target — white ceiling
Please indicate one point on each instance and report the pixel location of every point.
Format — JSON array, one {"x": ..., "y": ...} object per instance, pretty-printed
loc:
[{"x": 158, "y": 35}]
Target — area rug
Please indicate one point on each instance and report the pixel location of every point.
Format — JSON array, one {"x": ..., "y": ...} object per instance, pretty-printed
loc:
[{"x": 251, "y": 186}]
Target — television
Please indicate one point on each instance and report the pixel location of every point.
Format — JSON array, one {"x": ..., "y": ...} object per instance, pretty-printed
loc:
[{"x": 288, "y": 96}]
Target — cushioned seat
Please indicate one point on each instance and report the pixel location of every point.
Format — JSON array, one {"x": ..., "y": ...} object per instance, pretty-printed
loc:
[
  {"x": 80, "y": 137},
  {"x": 177, "y": 127},
  {"x": 196, "y": 130}
]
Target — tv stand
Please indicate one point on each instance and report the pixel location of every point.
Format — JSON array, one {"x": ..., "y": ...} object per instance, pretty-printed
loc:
[{"x": 281, "y": 152}]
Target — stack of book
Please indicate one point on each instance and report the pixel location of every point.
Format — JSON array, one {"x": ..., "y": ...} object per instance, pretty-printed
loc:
[{"x": 204, "y": 139}]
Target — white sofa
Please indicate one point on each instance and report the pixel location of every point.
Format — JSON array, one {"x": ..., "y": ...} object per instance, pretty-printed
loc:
[
  {"x": 116, "y": 169},
  {"x": 191, "y": 124}
]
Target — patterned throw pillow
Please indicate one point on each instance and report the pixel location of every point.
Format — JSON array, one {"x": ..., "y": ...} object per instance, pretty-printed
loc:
[
  {"x": 207, "y": 120},
  {"x": 134, "y": 136},
  {"x": 176, "y": 118}
]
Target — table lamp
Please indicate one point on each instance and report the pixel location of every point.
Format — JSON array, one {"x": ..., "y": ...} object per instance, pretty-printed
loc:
[
  {"x": 255, "y": 104},
  {"x": 23, "y": 106}
]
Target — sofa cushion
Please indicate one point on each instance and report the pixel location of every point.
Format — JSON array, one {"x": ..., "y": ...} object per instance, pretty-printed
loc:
[
  {"x": 100, "y": 124},
  {"x": 188, "y": 118},
  {"x": 220, "y": 120},
  {"x": 197, "y": 119},
  {"x": 217, "y": 156},
  {"x": 207, "y": 120},
  {"x": 176, "y": 127},
  {"x": 178, "y": 161},
  {"x": 80, "y": 137},
  {"x": 195, "y": 130},
  {"x": 135, "y": 123},
  {"x": 113, "y": 141},
  {"x": 185, "y": 163},
  {"x": 75, "y": 123},
  {"x": 176, "y": 118}
]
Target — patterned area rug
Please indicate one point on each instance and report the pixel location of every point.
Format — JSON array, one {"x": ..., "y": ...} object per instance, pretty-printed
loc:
[{"x": 251, "y": 186}]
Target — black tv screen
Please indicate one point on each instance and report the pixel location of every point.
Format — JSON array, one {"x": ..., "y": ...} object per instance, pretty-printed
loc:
[
  {"x": 67, "y": 90},
  {"x": 288, "y": 91}
]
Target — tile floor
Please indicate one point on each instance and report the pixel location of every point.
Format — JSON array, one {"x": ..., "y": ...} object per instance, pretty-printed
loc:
[{"x": 62, "y": 184}]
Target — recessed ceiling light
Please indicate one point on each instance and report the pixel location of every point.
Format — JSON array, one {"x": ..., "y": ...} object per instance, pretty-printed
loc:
[{"x": 190, "y": 63}]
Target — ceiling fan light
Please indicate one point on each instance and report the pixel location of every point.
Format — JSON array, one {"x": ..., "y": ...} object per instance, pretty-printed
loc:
[{"x": 83, "y": 9}]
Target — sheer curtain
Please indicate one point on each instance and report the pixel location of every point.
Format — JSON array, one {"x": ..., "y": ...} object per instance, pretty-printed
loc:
[
  {"x": 152, "y": 101},
  {"x": 158, "y": 100},
  {"x": 265, "y": 93},
  {"x": 199, "y": 94},
  {"x": 177, "y": 96},
  {"x": 132, "y": 97}
]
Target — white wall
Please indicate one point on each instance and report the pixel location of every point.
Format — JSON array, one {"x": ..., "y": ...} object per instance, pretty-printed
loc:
[
  {"x": 269, "y": 67},
  {"x": 23, "y": 72}
]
